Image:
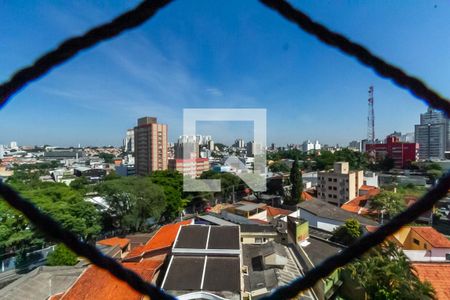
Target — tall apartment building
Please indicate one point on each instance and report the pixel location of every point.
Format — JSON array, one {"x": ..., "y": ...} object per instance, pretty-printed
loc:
[
  {"x": 433, "y": 135},
  {"x": 150, "y": 145},
  {"x": 187, "y": 147},
  {"x": 402, "y": 153},
  {"x": 128, "y": 141},
  {"x": 239, "y": 143},
  {"x": 339, "y": 185},
  {"x": 253, "y": 148},
  {"x": 308, "y": 146}
]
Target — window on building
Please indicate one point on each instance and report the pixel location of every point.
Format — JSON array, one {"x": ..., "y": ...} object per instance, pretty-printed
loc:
[
  {"x": 447, "y": 256},
  {"x": 258, "y": 240},
  {"x": 417, "y": 242}
]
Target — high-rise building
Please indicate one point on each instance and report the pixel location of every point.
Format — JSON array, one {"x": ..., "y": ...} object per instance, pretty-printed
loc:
[
  {"x": 128, "y": 141},
  {"x": 239, "y": 143},
  {"x": 432, "y": 135},
  {"x": 13, "y": 145},
  {"x": 2, "y": 151},
  {"x": 187, "y": 147},
  {"x": 407, "y": 137},
  {"x": 150, "y": 145},
  {"x": 309, "y": 146},
  {"x": 339, "y": 185},
  {"x": 355, "y": 145},
  {"x": 211, "y": 145},
  {"x": 253, "y": 148}
]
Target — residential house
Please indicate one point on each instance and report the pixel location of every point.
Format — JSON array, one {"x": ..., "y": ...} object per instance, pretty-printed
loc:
[
  {"x": 421, "y": 243},
  {"x": 205, "y": 263},
  {"x": 323, "y": 215}
]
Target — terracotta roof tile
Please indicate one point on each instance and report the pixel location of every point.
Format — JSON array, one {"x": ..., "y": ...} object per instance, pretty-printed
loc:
[
  {"x": 274, "y": 211},
  {"x": 163, "y": 238},
  {"x": 306, "y": 196},
  {"x": 432, "y": 236},
  {"x": 115, "y": 241},
  {"x": 96, "y": 283},
  {"x": 359, "y": 205},
  {"x": 438, "y": 274},
  {"x": 367, "y": 187}
]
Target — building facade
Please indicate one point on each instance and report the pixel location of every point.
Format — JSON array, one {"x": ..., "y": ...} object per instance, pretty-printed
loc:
[
  {"x": 150, "y": 145},
  {"x": 339, "y": 185},
  {"x": 190, "y": 167},
  {"x": 402, "y": 153},
  {"x": 309, "y": 146},
  {"x": 432, "y": 135},
  {"x": 128, "y": 141}
]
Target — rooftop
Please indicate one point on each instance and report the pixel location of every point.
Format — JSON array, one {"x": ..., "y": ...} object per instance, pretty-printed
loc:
[
  {"x": 204, "y": 239},
  {"x": 41, "y": 283},
  {"x": 203, "y": 273},
  {"x": 438, "y": 274},
  {"x": 248, "y": 206},
  {"x": 318, "y": 249},
  {"x": 329, "y": 211},
  {"x": 269, "y": 265},
  {"x": 257, "y": 228},
  {"x": 360, "y": 204},
  {"x": 162, "y": 239},
  {"x": 274, "y": 211},
  {"x": 215, "y": 220},
  {"x": 96, "y": 283},
  {"x": 432, "y": 236},
  {"x": 115, "y": 241}
]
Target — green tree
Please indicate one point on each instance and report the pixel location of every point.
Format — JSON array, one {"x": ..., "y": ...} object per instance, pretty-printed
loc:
[
  {"x": 61, "y": 202},
  {"x": 172, "y": 185},
  {"x": 79, "y": 183},
  {"x": 385, "y": 273},
  {"x": 325, "y": 160},
  {"x": 347, "y": 233},
  {"x": 296, "y": 182},
  {"x": 112, "y": 175},
  {"x": 107, "y": 157},
  {"x": 62, "y": 256},
  {"x": 433, "y": 171},
  {"x": 132, "y": 201},
  {"x": 389, "y": 202},
  {"x": 228, "y": 182},
  {"x": 279, "y": 166}
]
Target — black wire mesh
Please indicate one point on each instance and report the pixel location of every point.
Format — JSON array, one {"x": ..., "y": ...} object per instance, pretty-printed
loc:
[{"x": 135, "y": 17}]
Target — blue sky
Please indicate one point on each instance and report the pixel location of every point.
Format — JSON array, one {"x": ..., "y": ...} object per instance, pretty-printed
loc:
[{"x": 231, "y": 54}]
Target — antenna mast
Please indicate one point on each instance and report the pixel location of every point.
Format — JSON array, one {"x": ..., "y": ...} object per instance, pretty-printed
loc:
[{"x": 371, "y": 119}]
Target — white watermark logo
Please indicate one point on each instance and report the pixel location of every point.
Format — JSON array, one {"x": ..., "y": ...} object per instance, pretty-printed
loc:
[{"x": 254, "y": 178}]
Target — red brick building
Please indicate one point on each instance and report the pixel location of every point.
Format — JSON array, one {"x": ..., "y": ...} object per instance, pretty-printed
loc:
[{"x": 402, "y": 153}]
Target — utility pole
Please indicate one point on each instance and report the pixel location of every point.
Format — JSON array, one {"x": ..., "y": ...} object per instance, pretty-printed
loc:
[{"x": 234, "y": 200}]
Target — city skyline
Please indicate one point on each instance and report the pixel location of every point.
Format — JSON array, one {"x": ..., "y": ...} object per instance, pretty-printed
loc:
[{"x": 159, "y": 69}]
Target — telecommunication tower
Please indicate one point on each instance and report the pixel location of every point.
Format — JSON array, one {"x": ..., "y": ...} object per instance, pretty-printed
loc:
[{"x": 371, "y": 119}]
